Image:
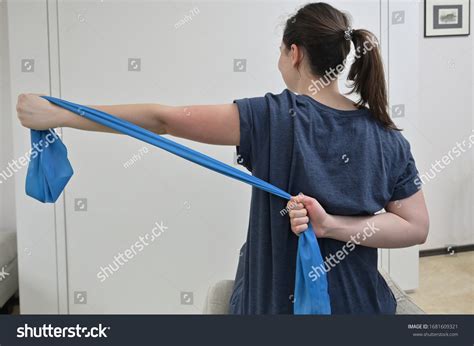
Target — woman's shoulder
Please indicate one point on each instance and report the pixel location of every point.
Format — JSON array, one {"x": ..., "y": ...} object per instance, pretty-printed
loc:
[{"x": 395, "y": 145}]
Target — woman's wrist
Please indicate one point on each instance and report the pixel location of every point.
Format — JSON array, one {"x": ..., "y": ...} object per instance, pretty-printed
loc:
[
  {"x": 328, "y": 226},
  {"x": 63, "y": 117}
]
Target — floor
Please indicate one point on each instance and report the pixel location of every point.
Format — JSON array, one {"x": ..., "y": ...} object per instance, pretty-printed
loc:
[{"x": 446, "y": 284}]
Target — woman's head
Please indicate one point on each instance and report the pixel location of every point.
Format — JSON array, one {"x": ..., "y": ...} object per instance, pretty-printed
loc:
[{"x": 318, "y": 38}]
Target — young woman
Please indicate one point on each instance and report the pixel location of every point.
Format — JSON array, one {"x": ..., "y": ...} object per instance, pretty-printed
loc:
[{"x": 350, "y": 158}]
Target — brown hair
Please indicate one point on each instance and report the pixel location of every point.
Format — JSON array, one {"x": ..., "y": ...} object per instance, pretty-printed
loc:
[{"x": 325, "y": 34}]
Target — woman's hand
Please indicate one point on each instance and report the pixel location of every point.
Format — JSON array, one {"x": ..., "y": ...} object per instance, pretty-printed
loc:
[
  {"x": 304, "y": 209},
  {"x": 36, "y": 113}
]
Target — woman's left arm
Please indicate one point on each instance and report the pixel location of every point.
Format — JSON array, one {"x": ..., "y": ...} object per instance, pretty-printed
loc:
[
  {"x": 405, "y": 223},
  {"x": 211, "y": 124}
]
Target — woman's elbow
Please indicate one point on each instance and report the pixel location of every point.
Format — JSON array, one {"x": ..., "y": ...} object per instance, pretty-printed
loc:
[{"x": 423, "y": 229}]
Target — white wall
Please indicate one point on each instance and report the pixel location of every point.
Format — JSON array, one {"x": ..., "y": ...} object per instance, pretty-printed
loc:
[
  {"x": 402, "y": 60},
  {"x": 446, "y": 118},
  {"x": 7, "y": 196}
]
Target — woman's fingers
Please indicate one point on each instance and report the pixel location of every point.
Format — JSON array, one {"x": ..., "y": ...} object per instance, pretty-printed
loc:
[
  {"x": 298, "y": 212},
  {"x": 299, "y": 229},
  {"x": 304, "y": 209},
  {"x": 299, "y": 221},
  {"x": 299, "y": 224},
  {"x": 36, "y": 113},
  {"x": 293, "y": 204}
]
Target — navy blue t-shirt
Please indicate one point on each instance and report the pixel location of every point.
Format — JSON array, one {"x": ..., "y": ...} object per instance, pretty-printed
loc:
[{"x": 344, "y": 159}]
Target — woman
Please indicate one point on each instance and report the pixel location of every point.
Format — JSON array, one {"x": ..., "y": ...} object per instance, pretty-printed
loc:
[{"x": 349, "y": 157}]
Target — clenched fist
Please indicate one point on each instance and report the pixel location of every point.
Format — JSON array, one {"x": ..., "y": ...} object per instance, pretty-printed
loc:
[
  {"x": 304, "y": 209},
  {"x": 36, "y": 113}
]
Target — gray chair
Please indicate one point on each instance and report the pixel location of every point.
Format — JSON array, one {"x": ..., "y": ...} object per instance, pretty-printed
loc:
[
  {"x": 218, "y": 296},
  {"x": 405, "y": 306}
]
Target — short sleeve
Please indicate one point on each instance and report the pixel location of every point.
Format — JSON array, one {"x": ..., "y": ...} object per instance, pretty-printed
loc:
[
  {"x": 254, "y": 128},
  {"x": 407, "y": 182}
]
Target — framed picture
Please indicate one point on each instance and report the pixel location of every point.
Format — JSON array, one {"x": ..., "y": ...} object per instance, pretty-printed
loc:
[{"x": 447, "y": 18}]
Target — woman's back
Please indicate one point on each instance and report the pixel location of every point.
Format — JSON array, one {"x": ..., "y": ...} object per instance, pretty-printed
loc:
[{"x": 350, "y": 164}]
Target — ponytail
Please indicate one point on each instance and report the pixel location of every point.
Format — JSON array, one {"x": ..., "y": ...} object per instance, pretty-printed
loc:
[
  {"x": 368, "y": 77},
  {"x": 326, "y": 34}
]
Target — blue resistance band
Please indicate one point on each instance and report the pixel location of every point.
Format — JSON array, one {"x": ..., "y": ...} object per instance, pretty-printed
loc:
[{"x": 49, "y": 171}]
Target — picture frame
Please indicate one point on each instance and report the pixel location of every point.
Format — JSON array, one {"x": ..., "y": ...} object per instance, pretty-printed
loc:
[{"x": 447, "y": 18}]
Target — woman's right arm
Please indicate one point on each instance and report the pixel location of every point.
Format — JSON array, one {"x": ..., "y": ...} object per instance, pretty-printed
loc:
[
  {"x": 212, "y": 124},
  {"x": 405, "y": 223}
]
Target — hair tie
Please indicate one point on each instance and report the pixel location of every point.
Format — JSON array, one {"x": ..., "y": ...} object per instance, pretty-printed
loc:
[{"x": 348, "y": 33}]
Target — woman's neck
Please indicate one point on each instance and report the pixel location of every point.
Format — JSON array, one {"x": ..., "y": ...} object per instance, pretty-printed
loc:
[{"x": 325, "y": 91}]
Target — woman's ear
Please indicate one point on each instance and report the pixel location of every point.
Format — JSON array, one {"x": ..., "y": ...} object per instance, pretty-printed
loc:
[{"x": 297, "y": 55}]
